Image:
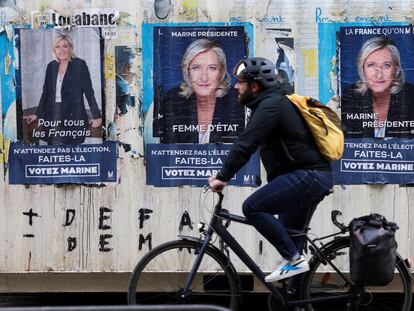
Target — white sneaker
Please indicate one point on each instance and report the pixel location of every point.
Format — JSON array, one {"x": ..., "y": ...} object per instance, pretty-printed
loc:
[{"x": 288, "y": 269}]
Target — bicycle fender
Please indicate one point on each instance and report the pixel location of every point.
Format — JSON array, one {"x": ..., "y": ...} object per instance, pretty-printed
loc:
[
  {"x": 326, "y": 247},
  {"x": 190, "y": 238},
  {"x": 334, "y": 241}
]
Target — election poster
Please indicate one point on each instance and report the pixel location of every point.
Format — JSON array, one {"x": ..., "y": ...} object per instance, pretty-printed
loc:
[
  {"x": 377, "y": 81},
  {"x": 59, "y": 102},
  {"x": 376, "y": 104},
  {"x": 190, "y": 101}
]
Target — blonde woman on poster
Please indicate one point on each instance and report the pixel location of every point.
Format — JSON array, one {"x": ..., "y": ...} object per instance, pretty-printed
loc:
[{"x": 61, "y": 114}]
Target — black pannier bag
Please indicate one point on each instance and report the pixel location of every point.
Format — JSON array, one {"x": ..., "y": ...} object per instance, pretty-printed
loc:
[{"x": 373, "y": 250}]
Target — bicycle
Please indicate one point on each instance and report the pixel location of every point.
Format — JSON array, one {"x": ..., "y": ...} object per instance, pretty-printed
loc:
[{"x": 326, "y": 282}]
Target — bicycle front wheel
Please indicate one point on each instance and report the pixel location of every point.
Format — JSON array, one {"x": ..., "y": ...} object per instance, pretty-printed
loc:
[
  {"x": 323, "y": 281},
  {"x": 160, "y": 277}
]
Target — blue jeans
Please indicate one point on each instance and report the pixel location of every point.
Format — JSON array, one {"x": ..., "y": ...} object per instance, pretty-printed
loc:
[{"x": 293, "y": 197}]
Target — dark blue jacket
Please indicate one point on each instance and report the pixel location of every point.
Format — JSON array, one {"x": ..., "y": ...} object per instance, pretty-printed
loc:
[
  {"x": 228, "y": 119},
  {"x": 401, "y": 108},
  {"x": 275, "y": 119}
]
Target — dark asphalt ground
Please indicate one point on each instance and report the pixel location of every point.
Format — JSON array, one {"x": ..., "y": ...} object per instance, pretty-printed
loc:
[
  {"x": 256, "y": 302},
  {"x": 251, "y": 302}
]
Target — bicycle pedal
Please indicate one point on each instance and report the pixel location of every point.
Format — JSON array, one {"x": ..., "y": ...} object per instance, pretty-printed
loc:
[
  {"x": 283, "y": 285},
  {"x": 291, "y": 291}
]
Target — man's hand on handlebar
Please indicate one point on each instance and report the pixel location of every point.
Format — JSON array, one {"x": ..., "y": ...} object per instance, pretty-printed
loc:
[{"x": 215, "y": 184}]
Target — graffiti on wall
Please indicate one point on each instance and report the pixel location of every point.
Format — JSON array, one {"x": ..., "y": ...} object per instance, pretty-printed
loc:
[{"x": 104, "y": 228}]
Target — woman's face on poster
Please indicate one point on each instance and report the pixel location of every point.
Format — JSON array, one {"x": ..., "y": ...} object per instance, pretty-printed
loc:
[
  {"x": 63, "y": 50},
  {"x": 379, "y": 70},
  {"x": 204, "y": 72}
]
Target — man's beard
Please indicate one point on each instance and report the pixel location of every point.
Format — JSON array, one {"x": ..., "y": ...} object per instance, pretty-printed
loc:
[{"x": 245, "y": 98}]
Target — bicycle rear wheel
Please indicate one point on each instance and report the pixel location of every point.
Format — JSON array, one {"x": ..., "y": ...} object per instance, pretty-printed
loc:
[
  {"x": 322, "y": 280},
  {"x": 160, "y": 276}
]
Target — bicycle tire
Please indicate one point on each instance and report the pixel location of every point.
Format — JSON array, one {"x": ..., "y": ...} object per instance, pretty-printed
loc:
[
  {"x": 320, "y": 281},
  {"x": 217, "y": 284}
]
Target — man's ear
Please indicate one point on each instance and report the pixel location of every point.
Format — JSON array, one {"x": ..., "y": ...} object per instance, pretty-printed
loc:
[{"x": 255, "y": 87}]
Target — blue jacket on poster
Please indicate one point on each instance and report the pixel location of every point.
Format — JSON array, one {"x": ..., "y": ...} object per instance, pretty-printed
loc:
[
  {"x": 179, "y": 122},
  {"x": 357, "y": 112},
  {"x": 76, "y": 83}
]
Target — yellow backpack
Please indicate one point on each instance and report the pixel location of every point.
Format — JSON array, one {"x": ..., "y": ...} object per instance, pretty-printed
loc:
[{"x": 324, "y": 124}]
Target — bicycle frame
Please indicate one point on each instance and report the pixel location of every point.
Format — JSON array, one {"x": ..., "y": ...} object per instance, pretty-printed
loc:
[{"x": 216, "y": 226}]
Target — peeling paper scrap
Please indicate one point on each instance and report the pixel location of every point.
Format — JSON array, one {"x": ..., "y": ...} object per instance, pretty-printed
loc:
[
  {"x": 1, "y": 149},
  {"x": 7, "y": 15},
  {"x": 190, "y": 4},
  {"x": 109, "y": 66},
  {"x": 9, "y": 32},
  {"x": 311, "y": 63},
  {"x": 7, "y": 64},
  {"x": 6, "y": 144}
]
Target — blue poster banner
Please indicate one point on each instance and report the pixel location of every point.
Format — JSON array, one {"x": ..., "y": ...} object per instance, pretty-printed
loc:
[
  {"x": 78, "y": 164},
  {"x": 373, "y": 161},
  {"x": 169, "y": 166}
]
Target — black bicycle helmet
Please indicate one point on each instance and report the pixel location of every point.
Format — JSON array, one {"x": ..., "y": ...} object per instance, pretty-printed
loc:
[{"x": 257, "y": 69}]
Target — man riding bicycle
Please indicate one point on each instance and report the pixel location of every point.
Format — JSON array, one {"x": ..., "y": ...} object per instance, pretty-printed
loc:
[{"x": 298, "y": 176}]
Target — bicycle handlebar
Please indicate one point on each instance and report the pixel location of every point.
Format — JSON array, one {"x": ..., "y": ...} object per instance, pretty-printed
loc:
[
  {"x": 221, "y": 196},
  {"x": 334, "y": 218}
]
